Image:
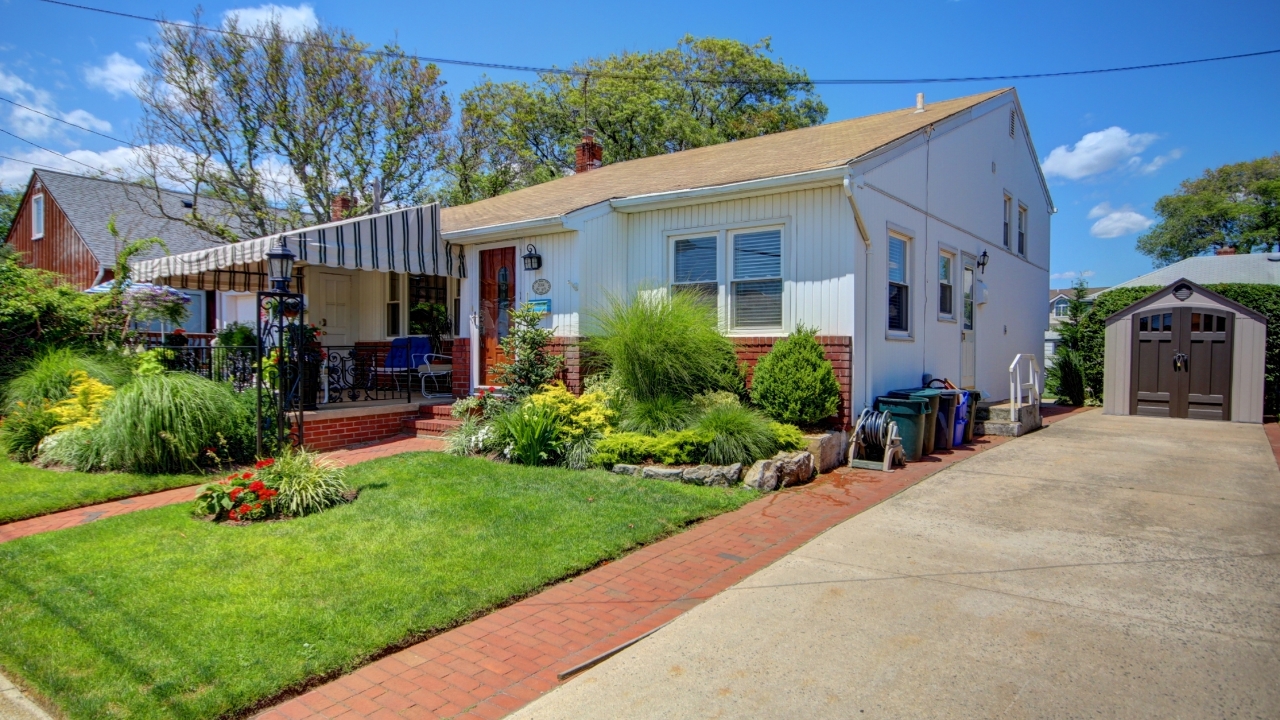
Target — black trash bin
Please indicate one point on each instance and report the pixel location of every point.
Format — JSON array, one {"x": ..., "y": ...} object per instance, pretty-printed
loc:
[
  {"x": 909, "y": 413},
  {"x": 946, "y": 419},
  {"x": 931, "y": 420}
]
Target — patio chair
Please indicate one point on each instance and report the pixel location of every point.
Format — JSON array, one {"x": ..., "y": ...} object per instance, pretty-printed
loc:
[
  {"x": 396, "y": 362},
  {"x": 431, "y": 365}
]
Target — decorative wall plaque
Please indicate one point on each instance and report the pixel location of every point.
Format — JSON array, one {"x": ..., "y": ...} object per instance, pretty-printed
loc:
[{"x": 541, "y": 286}]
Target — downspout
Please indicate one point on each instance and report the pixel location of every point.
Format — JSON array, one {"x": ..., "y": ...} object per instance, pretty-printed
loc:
[
  {"x": 97, "y": 279},
  {"x": 865, "y": 366}
]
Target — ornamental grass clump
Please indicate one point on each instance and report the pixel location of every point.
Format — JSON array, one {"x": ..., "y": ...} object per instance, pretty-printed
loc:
[
  {"x": 738, "y": 435},
  {"x": 531, "y": 434},
  {"x": 49, "y": 377},
  {"x": 795, "y": 383},
  {"x": 307, "y": 483}
]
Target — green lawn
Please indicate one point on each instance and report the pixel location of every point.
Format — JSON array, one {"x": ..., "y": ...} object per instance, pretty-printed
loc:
[
  {"x": 27, "y": 491},
  {"x": 157, "y": 615}
]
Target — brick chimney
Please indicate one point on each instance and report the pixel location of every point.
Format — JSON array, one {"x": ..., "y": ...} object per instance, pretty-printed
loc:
[
  {"x": 1225, "y": 251},
  {"x": 589, "y": 154},
  {"x": 340, "y": 207}
]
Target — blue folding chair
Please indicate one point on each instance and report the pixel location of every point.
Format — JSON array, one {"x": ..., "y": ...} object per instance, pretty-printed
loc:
[{"x": 431, "y": 365}]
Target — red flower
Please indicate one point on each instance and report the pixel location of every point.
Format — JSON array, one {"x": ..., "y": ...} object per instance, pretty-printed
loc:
[
  {"x": 246, "y": 476},
  {"x": 257, "y": 486},
  {"x": 235, "y": 493},
  {"x": 267, "y": 462},
  {"x": 258, "y": 506}
]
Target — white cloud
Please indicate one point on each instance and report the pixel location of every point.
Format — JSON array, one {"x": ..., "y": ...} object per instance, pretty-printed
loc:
[
  {"x": 293, "y": 20},
  {"x": 37, "y": 126},
  {"x": 1160, "y": 161},
  {"x": 1072, "y": 275},
  {"x": 1114, "y": 222},
  {"x": 1097, "y": 152},
  {"x": 84, "y": 118},
  {"x": 117, "y": 75},
  {"x": 116, "y": 160}
]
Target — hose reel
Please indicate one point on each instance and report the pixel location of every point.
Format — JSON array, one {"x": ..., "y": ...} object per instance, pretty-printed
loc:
[{"x": 876, "y": 433}]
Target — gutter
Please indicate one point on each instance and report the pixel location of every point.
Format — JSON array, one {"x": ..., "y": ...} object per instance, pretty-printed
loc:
[{"x": 543, "y": 225}]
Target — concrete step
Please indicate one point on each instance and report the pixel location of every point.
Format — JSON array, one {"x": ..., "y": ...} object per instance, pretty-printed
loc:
[
  {"x": 443, "y": 411},
  {"x": 1002, "y": 419},
  {"x": 431, "y": 427}
]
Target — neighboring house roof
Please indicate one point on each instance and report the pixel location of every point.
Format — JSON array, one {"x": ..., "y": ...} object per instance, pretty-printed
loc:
[
  {"x": 90, "y": 202},
  {"x": 1070, "y": 292},
  {"x": 1255, "y": 268},
  {"x": 768, "y": 156}
]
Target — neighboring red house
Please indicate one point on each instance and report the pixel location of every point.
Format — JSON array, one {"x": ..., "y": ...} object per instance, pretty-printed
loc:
[{"x": 61, "y": 225}]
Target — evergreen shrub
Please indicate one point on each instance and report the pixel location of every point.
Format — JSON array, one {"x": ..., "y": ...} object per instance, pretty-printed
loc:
[{"x": 795, "y": 383}]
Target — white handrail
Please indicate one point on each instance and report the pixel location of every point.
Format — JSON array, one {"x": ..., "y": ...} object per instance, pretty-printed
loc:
[{"x": 1032, "y": 386}]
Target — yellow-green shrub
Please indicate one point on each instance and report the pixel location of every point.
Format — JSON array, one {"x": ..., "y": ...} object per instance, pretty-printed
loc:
[
  {"x": 581, "y": 416},
  {"x": 80, "y": 408}
]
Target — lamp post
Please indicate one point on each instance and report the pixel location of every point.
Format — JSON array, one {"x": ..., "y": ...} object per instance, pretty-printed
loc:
[
  {"x": 280, "y": 266},
  {"x": 280, "y": 344}
]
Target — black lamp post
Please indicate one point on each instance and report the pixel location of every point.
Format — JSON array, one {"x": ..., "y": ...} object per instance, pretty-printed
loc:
[
  {"x": 280, "y": 345},
  {"x": 280, "y": 266},
  {"x": 532, "y": 260},
  {"x": 982, "y": 262}
]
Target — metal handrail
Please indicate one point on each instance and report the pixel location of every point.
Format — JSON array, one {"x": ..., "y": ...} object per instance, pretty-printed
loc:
[{"x": 1016, "y": 386}]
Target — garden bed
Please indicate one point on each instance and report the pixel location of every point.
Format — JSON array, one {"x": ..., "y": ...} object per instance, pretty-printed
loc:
[
  {"x": 156, "y": 614},
  {"x": 27, "y": 491}
]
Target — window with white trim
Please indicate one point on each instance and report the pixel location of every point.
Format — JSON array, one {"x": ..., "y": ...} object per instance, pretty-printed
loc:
[
  {"x": 1008, "y": 219},
  {"x": 899, "y": 287},
  {"x": 755, "y": 292},
  {"x": 946, "y": 285},
  {"x": 695, "y": 266},
  {"x": 1022, "y": 229},
  {"x": 393, "y": 305},
  {"x": 1060, "y": 307},
  {"x": 37, "y": 217}
]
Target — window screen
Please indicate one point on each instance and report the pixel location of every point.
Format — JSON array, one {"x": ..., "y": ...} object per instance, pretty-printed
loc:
[
  {"x": 946, "y": 287},
  {"x": 899, "y": 292},
  {"x": 695, "y": 266},
  {"x": 757, "y": 279}
]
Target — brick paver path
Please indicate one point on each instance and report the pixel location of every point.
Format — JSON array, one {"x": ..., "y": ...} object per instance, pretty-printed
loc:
[
  {"x": 489, "y": 667},
  {"x": 80, "y": 516}
]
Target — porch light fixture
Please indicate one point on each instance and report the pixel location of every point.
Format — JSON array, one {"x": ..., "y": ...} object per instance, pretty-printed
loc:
[
  {"x": 532, "y": 260},
  {"x": 280, "y": 265},
  {"x": 982, "y": 262}
]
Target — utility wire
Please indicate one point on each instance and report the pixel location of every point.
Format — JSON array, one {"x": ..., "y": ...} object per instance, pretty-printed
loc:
[
  {"x": 704, "y": 81},
  {"x": 67, "y": 122},
  {"x": 55, "y": 152}
]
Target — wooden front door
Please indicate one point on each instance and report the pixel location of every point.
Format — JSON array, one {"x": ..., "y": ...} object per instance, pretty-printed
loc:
[
  {"x": 1181, "y": 365},
  {"x": 337, "y": 296},
  {"x": 497, "y": 298}
]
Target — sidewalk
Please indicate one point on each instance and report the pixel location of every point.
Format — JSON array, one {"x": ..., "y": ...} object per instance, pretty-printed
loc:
[
  {"x": 80, "y": 516},
  {"x": 492, "y": 666}
]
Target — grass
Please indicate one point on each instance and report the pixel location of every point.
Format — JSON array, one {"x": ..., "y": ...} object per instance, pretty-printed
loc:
[
  {"x": 27, "y": 491},
  {"x": 157, "y": 615}
]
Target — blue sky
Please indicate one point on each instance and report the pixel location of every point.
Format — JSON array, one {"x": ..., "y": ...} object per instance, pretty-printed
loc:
[{"x": 1111, "y": 144}]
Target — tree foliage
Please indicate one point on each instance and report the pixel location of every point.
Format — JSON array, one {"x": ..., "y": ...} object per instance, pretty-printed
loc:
[
  {"x": 39, "y": 308},
  {"x": 640, "y": 104},
  {"x": 1065, "y": 377},
  {"x": 1235, "y": 206},
  {"x": 276, "y": 125},
  {"x": 10, "y": 199}
]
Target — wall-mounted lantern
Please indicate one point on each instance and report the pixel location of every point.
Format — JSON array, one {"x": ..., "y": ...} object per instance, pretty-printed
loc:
[
  {"x": 532, "y": 260},
  {"x": 982, "y": 261}
]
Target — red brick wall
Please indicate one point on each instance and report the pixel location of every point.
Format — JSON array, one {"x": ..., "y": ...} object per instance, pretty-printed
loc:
[
  {"x": 461, "y": 367},
  {"x": 571, "y": 373},
  {"x": 839, "y": 350},
  {"x": 331, "y": 434}
]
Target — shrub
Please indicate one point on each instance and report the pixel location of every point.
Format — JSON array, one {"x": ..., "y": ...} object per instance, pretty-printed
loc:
[
  {"x": 652, "y": 416},
  {"x": 531, "y": 432},
  {"x": 789, "y": 437},
  {"x": 23, "y": 429},
  {"x": 80, "y": 408},
  {"x": 165, "y": 423},
  {"x": 1064, "y": 378},
  {"x": 579, "y": 453},
  {"x": 795, "y": 383},
  {"x": 307, "y": 484},
  {"x": 581, "y": 415},
  {"x": 531, "y": 366},
  {"x": 664, "y": 345},
  {"x": 468, "y": 438},
  {"x": 738, "y": 435},
  {"x": 237, "y": 334},
  {"x": 489, "y": 404},
  {"x": 239, "y": 497},
  {"x": 683, "y": 447},
  {"x": 48, "y": 377},
  {"x": 707, "y": 400},
  {"x": 39, "y": 308}
]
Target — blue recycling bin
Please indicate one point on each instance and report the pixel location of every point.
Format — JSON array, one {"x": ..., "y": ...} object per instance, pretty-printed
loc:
[{"x": 961, "y": 418}]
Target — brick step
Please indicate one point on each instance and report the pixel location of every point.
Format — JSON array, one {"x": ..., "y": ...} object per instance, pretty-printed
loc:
[
  {"x": 436, "y": 411},
  {"x": 430, "y": 427}
]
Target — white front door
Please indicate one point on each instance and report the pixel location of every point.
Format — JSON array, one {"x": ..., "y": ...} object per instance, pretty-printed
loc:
[
  {"x": 334, "y": 313},
  {"x": 968, "y": 334}
]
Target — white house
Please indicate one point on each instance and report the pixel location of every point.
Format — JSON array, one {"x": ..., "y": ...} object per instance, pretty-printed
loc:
[{"x": 916, "y": 241}]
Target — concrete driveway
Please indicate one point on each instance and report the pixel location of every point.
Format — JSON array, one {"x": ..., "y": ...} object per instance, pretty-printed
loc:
[{"x": 1102, "y": 567}]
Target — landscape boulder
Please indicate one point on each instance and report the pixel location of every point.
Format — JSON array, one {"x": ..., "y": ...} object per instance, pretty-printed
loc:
[
  {"x": 657, "y": 472},
  {"x": 714, "y": 475},
  {"x": 763, "y": 476},
  {"x": 794, "y": 468},
  {"x": 623, "y": 469}
]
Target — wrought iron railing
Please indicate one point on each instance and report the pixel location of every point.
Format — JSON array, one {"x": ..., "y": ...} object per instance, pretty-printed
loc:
[
  {"x": 234, "y": 364},
  {"x": 353, "y": 373}
]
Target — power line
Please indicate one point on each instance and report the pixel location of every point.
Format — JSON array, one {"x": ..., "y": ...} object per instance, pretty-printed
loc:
[
  {"x": 67, "y": 122},
  {"x": 65, "y": 157},
  {"x": 705, "y": 81}
]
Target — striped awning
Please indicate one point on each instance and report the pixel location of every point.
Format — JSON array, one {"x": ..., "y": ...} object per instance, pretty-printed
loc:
[{"x": 406, "y": 240}]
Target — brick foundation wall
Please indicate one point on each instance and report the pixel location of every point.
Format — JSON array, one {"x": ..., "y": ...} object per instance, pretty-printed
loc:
[
  {"x": 571, "y": 373},
  {"x": 461, "y": 351},
  {"x": 838, "y": 350},
  {"x": 333, "y": 433}
]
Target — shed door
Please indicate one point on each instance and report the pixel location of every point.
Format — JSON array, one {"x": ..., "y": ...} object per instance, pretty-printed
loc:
[{"x": 1182, "y": 363}]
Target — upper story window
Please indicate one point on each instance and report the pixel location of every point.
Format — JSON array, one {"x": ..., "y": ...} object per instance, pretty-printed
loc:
[
  {"x": 946, "y": 285},
  {"x": 37, "y": 217},
  {"x": 899, "y": 288},
  {"x": 1060, "y": 307},
  {"x": 1022, "y": 229},
  {"x": 1008, "y": 219},
  {"x": 696, "y": 267},
  {"x": 756, "y": 296}
]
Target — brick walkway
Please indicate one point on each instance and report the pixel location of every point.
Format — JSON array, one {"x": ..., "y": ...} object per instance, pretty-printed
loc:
[
  {"x": 80, "y": 516},
  {"x": 489, "y": 667}
]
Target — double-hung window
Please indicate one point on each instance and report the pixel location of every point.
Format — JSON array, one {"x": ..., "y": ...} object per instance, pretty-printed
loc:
[
  {"x": 393, "y": 305},
  {"x": 695, "y": 266},
  {"x": 1008, "y": 220},
  {"x": 1022, "y": 229},
  {"x": 899, "y": 289},
  {"x": 37, "y": 217},
  {"x": 756, "y": 287},
  {"x": 946, "y": 285}
]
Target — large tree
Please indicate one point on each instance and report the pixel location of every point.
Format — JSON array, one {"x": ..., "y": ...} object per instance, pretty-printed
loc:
[
  {"x": 701, "y": 92},
  {"x": 1235, "y": 206},
  {"x": 10, "y": 199},
  {"x": 277, "y": 124}
]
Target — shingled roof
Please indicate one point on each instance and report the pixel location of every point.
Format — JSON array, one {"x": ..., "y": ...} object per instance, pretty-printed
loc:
[
  {"x": 767, "y": 156},
  {"x": 90, "y": 202}
]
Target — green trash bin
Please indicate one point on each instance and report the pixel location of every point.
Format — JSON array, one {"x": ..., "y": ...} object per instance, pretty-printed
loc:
[
  {"x": 974, "y": 398},
  {"x": 931, "y": 420},
  {"x": 909, "y": 413}
]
